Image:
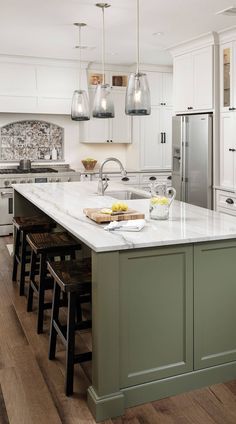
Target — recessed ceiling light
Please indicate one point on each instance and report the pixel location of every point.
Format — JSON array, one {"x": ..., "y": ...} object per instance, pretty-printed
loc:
[
  {"x": 230, "y": 11},
  {"x": 158, "y": 33}
]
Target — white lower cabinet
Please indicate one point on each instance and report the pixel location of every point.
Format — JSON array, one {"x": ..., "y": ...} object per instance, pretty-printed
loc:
[
  {"x": 226, "y": 202},
  {"x": 156, "y": 139},
  {"x": 228, "y": 150},
  {"x": 112, "y": 130}
]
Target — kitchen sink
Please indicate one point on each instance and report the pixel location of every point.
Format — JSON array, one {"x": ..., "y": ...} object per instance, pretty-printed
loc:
[{"x": 127, "y": 194}]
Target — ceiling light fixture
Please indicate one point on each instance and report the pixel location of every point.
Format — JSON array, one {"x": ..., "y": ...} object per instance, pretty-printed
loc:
[
  {"x": 103, "y": 106},
  {"x": 138, "y": 100},
  {"x": 80, "y": 103}
]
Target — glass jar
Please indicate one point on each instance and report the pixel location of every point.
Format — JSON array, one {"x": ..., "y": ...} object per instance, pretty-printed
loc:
[{"x": 160, "y": 204}]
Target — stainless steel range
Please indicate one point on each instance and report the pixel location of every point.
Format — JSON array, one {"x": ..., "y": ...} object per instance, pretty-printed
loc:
[{"x": 9, "y": 176}]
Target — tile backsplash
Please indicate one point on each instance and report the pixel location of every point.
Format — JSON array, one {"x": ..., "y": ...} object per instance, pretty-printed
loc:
[{"x": 31, "y": 139}]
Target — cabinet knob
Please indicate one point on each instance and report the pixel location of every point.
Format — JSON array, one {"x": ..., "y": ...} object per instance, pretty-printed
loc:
[
  {"x": 111, "y": 141},
  {"x": 169, "y": 178},
  {"x": 152, "y": 178},
  {"x": 107, "y": 141},
  {"x": 229, "y": 201},
  {"x": 190, "y": 107}
]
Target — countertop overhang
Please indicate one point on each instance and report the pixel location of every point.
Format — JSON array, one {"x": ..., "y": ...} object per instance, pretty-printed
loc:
[{"x": 64, "y": 202}]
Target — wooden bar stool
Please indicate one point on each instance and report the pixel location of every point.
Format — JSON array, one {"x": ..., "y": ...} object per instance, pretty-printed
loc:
[
  {"x": 23, "y": 226},
  {"x": 46, "y": 246},
  {"x": 74, "y": 278}
]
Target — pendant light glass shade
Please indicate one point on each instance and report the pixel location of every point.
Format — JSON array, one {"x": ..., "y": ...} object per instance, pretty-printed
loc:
[
  {"x": 80, "y": 106},
  {"x": 103, "y": 106},
  {"x": 138, "y": 100},
  {"x": 80, "y": 110}
]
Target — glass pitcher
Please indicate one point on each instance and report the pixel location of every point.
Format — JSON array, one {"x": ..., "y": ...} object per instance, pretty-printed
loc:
[{"x": 160, "y": 202}]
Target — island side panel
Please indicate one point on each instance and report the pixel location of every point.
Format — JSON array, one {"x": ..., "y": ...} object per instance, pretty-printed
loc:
[
  {"x": 215, "y": 303},
  {"x": 23, "y": 207},
  {"x": 105, "y": 399},
  {"x": 156, "y": 314}
]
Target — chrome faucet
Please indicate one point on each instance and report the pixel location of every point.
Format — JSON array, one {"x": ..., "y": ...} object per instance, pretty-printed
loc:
[{"x": 102, "y": 185}]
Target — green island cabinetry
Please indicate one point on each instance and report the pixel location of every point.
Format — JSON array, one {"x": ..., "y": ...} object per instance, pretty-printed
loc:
[{"x": 164, "y": 322}]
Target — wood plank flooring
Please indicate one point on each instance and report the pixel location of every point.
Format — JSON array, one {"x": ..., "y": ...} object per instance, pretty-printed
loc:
[{"x": 32, "y": 387}]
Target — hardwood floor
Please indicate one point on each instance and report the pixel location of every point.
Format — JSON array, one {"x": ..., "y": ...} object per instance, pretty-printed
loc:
[{"x": 32, "y": 387}]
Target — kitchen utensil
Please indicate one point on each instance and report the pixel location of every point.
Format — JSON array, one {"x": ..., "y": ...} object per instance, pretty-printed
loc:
[{"x": 25, "y": 165}]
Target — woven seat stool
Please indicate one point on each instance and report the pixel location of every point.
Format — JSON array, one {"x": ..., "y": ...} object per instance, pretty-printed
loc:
[
  {"x": 74, "y": 278},
  {"x": 45, "y": 246},
  {"x": 23, "y": 226}
]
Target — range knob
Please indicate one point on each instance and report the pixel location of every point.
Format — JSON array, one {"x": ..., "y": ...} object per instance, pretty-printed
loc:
[
  {"x": 29, "y": 181},
  {"x": 6, "y": 183},
  {"x": 13, "y": 181},
  {"x": 58, "y": 180},
  {"x": 22, "y": 181},
  {"x": 69, "y": 180}
]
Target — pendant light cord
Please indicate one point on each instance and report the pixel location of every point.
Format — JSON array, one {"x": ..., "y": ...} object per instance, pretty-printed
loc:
[
  {"x": 103, "y": 45},
  {"x": 80, "y": 48},
  {"x": 138, "y": 44}
]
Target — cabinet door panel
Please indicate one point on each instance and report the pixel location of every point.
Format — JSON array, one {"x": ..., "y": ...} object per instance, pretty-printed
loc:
[
  {"x": 167, "y": 84},
  {"x": 226, "y": 76},
  {"x": 183, "y": 82},
  {"x": 214, "y": 304},
  {"x": 227, "y": 158},
  {"x": 151, "y": 146},
  {"x": 156, "y": 87},
  {"x": 166, "y": 125},
  {"x": 203, "y": 79},
  {"x": 156, "y": 314},
  {"x": 121, "y": 124}
]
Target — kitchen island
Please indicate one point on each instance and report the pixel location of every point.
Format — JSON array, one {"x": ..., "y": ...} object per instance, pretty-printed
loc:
[{"x": 163, "y": 299}]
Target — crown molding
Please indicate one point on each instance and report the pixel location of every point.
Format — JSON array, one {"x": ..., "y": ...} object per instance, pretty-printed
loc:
[{"x": 204, "y": 40}]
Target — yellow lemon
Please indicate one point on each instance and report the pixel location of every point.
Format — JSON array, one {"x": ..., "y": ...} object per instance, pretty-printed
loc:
[{"x": 107, "y": 211}]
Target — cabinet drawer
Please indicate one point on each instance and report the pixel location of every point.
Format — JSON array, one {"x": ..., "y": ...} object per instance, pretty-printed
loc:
[
  {"x": 133, "y": 178},
  {"x": 226, "y": 202},
  {"x": 149, "y": 178}
]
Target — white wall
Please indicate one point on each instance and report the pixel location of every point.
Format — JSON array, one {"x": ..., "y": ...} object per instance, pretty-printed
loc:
[{"x": 74, "y": 150}]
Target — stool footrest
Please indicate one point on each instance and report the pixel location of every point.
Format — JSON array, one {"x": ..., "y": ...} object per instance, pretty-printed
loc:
[
  {"x": 82, "y": 357},
  {"x": 84, "y": 325},
  {"x": 61, "y": 330}
]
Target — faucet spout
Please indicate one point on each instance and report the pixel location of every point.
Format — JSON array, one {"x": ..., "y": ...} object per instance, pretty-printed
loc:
[{"x": 102, "y": 185}]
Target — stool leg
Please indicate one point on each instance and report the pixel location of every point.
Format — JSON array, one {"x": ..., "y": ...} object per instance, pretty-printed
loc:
[
  {"x": 22, "y": 264},
  {"x": 70, "y": 346},
  {"x": 31, "y": 278},
  {"x": 55, "y": 317},
  {"x": 42, "y": 276},
  {"x": 16, "y": 253}
]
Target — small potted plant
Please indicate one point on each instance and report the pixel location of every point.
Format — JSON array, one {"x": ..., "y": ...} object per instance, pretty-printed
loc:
[{"x": 89, "y": 163}]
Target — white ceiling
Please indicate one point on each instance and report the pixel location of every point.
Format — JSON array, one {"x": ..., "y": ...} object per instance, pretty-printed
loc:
[{"x": 44, "y": 28}]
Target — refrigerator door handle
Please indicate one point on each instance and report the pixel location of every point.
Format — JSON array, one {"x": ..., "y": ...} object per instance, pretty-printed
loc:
[{"x": 183, "y": 160}]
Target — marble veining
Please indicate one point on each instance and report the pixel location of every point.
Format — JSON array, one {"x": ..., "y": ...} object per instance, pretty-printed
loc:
[
  {"x": 64, "y": 202},
  {"x": 31, "y": 139}
]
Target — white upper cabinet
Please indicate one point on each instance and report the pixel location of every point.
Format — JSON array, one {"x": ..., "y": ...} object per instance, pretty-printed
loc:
[
  {"x": 183, "y": 82},
  {"x": 38, "y": 87},
  {"x": 193, "y": 80},
  {"x": 161, "y": 88},
  {"x": 112, "y": 130},
  {"x": 227, "y": 76}
]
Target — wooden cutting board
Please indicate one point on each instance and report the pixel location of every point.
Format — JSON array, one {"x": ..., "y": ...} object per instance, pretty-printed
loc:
[{"x": 99, "y": 217}]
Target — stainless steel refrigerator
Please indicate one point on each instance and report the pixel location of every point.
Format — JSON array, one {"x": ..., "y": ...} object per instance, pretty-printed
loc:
[{"x": 192, "y": 159}]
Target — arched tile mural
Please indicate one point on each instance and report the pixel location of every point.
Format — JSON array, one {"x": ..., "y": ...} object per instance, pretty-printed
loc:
[{"x": 31, "y": 139}]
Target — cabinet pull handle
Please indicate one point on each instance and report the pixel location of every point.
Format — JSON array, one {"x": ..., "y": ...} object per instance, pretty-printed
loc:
[
  {"x": 125, "y": 179},
  {"x": 230, "y": 201},
  {"x": 232, "y": 108},
  {"x": 190, "y": 107},
  {"x": 106, "y": 179},
  {"x": 152, "y": 178},
  {"x": 232, "y": 150},
  {"x": 164, "y": 137},
  {"x": 169, "y": 178}
]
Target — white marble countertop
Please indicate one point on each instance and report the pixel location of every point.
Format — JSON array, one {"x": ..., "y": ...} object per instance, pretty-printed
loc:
[{"x": 64, "y": 202}]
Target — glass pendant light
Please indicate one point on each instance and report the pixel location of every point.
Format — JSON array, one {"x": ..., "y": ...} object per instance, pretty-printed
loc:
[
  {"x": 80, "y": 103},
  {"x": 103, "y": 106},
  {"x": 138, "y": 102}
]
